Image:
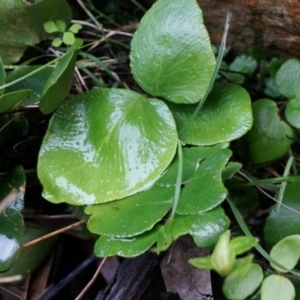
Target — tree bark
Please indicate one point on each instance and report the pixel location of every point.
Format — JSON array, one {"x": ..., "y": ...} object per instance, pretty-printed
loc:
[{"x": 272, "y": 26}]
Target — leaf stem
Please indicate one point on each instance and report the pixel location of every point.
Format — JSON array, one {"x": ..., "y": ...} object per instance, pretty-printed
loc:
[{"x": 216, "y": 70}]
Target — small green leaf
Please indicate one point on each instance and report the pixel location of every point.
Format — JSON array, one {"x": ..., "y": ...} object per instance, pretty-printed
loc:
[
  {"x": 243, "y": 262},
  {"x": 230, "y": 170},
  {"x": 287, "y": 221},
  {"x": 223, "y": 256},
  {"x": 57, "y": 42},
  {"x": 78, "y": 43},
  {"x": 50, "y": 27},
  {"x": 242, "y": 283},
  {"x": 59, "y": 83},
  {"x": 270, "y": 137},
  {"x": 277, "y": 287},
  {"x": 105, "y": 144},
  {"x": 205, "y": 189},
  {"x": 288, "y": 78},
  {"x": 61, "y": 25},
  {"x": 75, "y": 28},
  {"x": 243, "y": 244},
  {"x": 10, "y": 101},
  {"x": 171, "y": 55},
  {"x": 225, "y": 116},
  {"x": 12, "y": 190},
  {"x": 286, "y": 252},
  {"x": 68, "y": 38},
  {"x": 292, "y": 112},
  {"x": 130, "y": 247},
  {"x": 202, "y": 262},
  {"x": 132, "y": 215}
]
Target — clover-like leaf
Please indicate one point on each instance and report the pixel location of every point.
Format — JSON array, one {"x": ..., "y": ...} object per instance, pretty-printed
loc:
[
  {"x": 287, "y": 253},
  {"x": 288, "y": 78},
  {"x": 69, "y": 38},
  {"x": 61, "y": 25},
  {"x": 132, "y": 215},
  {"x": 205, "y": 189},
  {"x": 225, "y": 116},
  {"x": 171, "y": 54},
  {"x": 242, "y": 283},
  {"x": 292, "y": 112},
  {"x": 130, "y": 247},
  {"x": 277, "y": 287},
  {"x": 270, "y": 137},
  {"x": 27, "y": 28},
  {"x": 12, "y": 189},
  {"x": 75, "y": 28},
  {"x": 104, "y": 145},
  {"x": 284, "y": 221},
  {"x": 50, "y": 27}
]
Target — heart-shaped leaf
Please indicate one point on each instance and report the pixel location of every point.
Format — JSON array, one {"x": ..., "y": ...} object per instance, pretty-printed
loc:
[
  {"x": 270, "y": 137},
  {"x": 35, "y": 82},
  {"x": 292, "y": 112},
  {"x": 171, "y": 54},
  {"x": 286, "y": 220},
  {"x": 205, "y": 189},
  {"x": 104, "y": 145},
  {"x": 10, "y": 100},
  {"x": 288, "y": 78},
  {"x": 225, "y": 116},
  {"x": 286, "y": 252},
  {"x": 59, "y": 83},
  {"x": 27, "y": 28},
  {"x": 277, "y": 287},
  {"x": 12, "y": 190},
  {"x": 130, "y": 216},
  {"x": 131, "y": 247}
]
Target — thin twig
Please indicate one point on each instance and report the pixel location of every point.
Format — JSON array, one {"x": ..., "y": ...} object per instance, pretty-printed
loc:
[
  {"x": 89, "y": 13},
  {"x": 92, "y": 280},
  {"x": 47, "y": 236},
  {"x": 8, "y": 291}
]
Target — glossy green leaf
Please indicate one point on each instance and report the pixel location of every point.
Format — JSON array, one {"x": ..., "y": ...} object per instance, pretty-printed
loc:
[
  {"x": 277, "y": 287},
  {"x": 104, "y": 145},
  {"x": 12, "y": 190},
  {"x": 132, "y": 215},
  {"x": 130, "y": 247},
  {"x": 242, "y": 244},
  {"x": 223, "y": 256},
  {"x": 292, "y": 112},
  {"x": 242, "y": 283},
  {"x": 30, "y": 258},
  {"x": 35, "y": 82},
  {"x": 205, "y": 189},
  {"x": 225, "y": 116},
  {"x": 288, "y": 78},
  {"x": 270, "y": 137},
  {"x": 230, "y": 170},
  {"x": 286, "y": 252},
  {"x": 59, "y": 83},
  {"x": 10, "y": 101},
  {"x": 28, "y": 20},
  {"x": 287, "y": 221},
  {"x": 12, "y": 126},
  {"x": 171, "y": 55},
  {"x": 205, "y": 228}
]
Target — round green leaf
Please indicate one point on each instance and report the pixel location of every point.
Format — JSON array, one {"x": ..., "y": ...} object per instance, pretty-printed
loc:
[
  {"x": 57, "y": 42},
  {"x": 131, "y": 247},
  {"x": 75, "y": 28},
  {"x": 50, "y": 27},
  {"x": 68, "y": 38},
  {"x": 284, "y": 222},
  {"x": 104, "y": 145},
  {"x": 270, "y": 137},
  {"x": 292, "y": 112},
  {"x": 277, "y": 287},
  {"x": 171, "y": 54},
  {"x": 286, "y": 252},
  {"x": 242, "y": 283},
  {"x": 225, "y": 116},
  {"x": 130, "y": 216},
  {"x": 288, "y": 78},
  {"x": 12, "y": 190}
]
